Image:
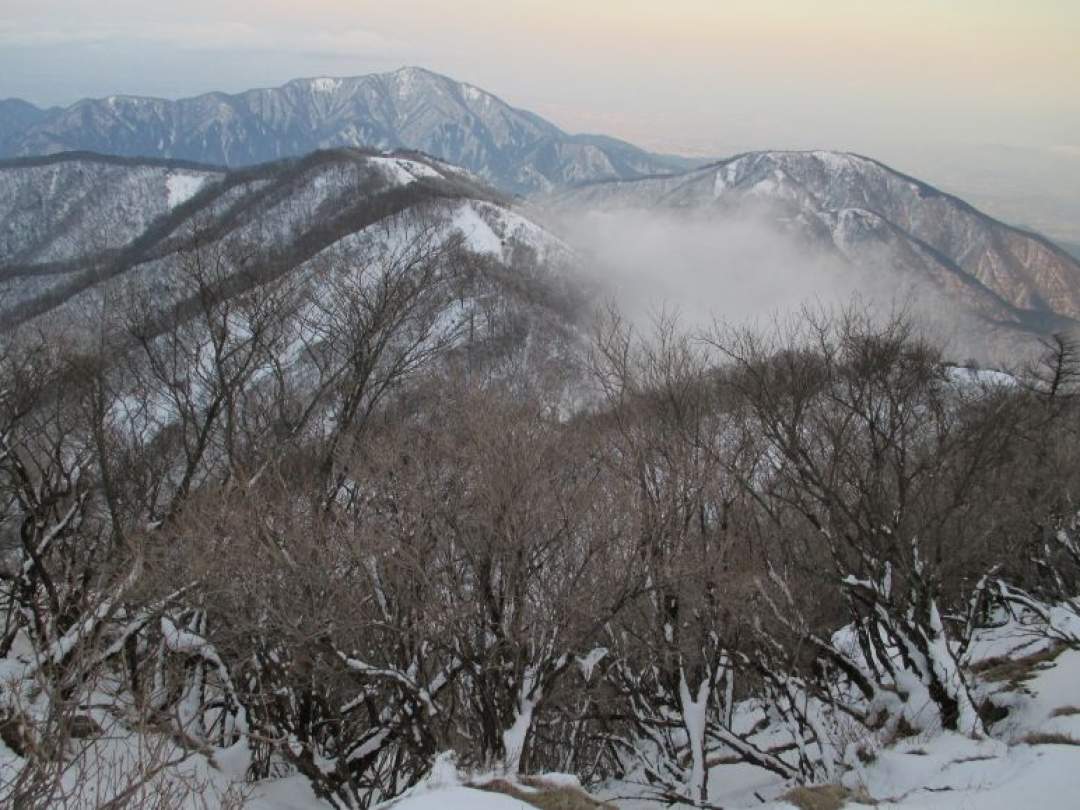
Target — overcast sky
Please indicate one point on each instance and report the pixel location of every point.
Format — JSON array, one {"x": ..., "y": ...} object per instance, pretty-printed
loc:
[{"x": 689, "y": 75}]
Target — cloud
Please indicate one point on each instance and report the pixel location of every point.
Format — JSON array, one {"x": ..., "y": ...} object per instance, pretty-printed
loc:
[
  {"x": 739, "y": 268},
  {"x": 742, "y": 269}
]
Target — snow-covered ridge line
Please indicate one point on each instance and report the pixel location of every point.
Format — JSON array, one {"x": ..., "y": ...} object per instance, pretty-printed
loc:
[
  {"x": 410, "y": 108},
  {"x": 64, "y": 212}
]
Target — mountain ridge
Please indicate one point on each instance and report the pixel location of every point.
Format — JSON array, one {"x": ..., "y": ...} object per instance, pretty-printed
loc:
[
  {"x": 414, "y": 108},
  {"x": 866, "y": 234},
  {"x": 812, "y": 189},
  {"x": 925, "y": 186},
  {"x": 62, "y": 247}
]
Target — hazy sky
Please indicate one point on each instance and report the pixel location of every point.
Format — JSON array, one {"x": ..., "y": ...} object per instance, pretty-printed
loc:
[{"x": 690, "y": 75}]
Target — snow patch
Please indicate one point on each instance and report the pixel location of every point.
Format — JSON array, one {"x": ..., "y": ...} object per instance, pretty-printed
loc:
[
  {"x": 473, "y": 93},
  {"x": 404, "y": 172},
  {"x": 980, "y": 376},
  {"x": 460, "y": 798},
  {"x": 835, "y": 161},
  {"x": 182, "y": 187},
  {"x": 720, "y": 185},
  {"x": 325, "y": 85},
  {"x": 479, "y": 236}
]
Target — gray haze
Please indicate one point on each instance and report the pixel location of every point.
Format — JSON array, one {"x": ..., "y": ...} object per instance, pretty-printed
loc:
[
  {"x": 743, "y": 270},
  {"x": 736, "y": 269}
]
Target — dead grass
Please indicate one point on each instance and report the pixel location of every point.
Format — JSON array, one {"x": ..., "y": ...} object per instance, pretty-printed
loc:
[
  {"x": 546, "y": 795},
  {"x": 1065, "y": 711},
  {"x": 1049, "y": 738},
  {"x": 1016, "y": 671},
  {"x": 824, "y": 797}
]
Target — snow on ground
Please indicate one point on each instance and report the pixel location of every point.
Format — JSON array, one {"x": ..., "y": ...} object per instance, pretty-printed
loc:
[
  {"x": 1021, "y": 765},
  {"x": 182, "y": 187},
  {"x": 459, "y": 798},
  {"x": 487, "y": 229},
  {"x": 956, "y": 772},
  {"x": 980, "y": 376},
  {"x": 939, "y": 772},
  {"x": 1028, "y": 760},
  {"x": 193, "y": 781},
  {"x": 402, "y": 172},
  {"x": 478, "y": 234},
  {"x": 325, "y": 85},
  {"x": 491, "y": 229},
  {"x": 1046, "y": 703},
  {"x": 1018, "y": 766}
]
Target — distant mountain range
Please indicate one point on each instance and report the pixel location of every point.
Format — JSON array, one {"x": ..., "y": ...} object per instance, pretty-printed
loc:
[
  {"x": 877, "y": 219},
  {"x": 280, "y": 160},
  {"x": 514, "y": 150},
  {"x": 78, "y": 226}
]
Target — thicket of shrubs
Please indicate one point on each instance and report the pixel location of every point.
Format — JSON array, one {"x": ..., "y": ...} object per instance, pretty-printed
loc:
[{"x": 376, "y": 512}]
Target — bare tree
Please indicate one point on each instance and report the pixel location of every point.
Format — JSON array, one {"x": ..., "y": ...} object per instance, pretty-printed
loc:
[
  {"x": 675, "y": 440},
  {"x": 871, "y": 451}
]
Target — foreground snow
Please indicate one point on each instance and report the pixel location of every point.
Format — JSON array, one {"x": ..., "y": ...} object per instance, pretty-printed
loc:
[
  {"x": 1020, "y": 765},
  {"x": 1027, "y": 761}
]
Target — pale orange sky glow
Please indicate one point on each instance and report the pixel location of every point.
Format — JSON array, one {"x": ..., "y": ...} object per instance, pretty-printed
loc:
[{"x": 695, "y": 75}]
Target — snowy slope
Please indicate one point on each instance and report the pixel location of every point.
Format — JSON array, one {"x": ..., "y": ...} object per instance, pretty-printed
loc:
[
  {"x": 296, "y": 221},
  {"x": 1018, "y": 765},
  {"x": 56, "y": 210},
  {"x": 63, "y": 219}
]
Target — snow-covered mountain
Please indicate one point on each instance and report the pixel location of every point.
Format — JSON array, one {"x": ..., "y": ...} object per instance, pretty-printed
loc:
[
  {"x": 16, "y": 116},
  {"x": 76, "y": 230},
  {"x": 55, "y": 210},
  {"x": 70, "y": 222},
  {"x": 877, "y": 219},
  {"x": 411, "y": 108}
]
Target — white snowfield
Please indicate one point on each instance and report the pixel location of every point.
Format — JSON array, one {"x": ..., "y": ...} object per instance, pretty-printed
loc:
[
  {"x": 402, "y": 172},
  {"x": 182, "y": 186}
]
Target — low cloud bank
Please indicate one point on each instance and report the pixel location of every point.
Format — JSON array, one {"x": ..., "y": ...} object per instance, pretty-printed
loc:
[
  {"x": 736, "y": 268},
  {"x": 746, "y": 268}
]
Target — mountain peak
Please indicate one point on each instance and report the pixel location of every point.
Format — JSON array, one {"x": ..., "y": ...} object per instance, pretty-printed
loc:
[
  {"x": 831, "y": 158},
  {"x": 408, "y": 108},
  {"x": 324, "y": 84},
  {"x": 415, "y": 71}
]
